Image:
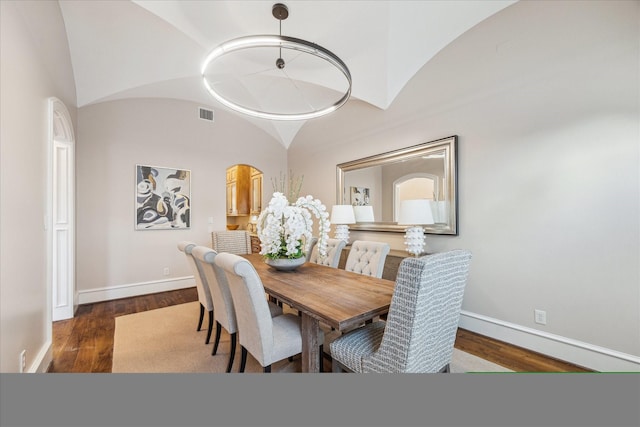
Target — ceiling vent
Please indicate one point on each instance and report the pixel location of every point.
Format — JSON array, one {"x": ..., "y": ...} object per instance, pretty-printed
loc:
[{"x": 206, "y": 114}]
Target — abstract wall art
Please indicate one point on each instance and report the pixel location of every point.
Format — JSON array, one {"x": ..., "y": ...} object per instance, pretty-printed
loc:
[
  {"x": 360, "y": 196},
  {"x": 163, "y": 198}
]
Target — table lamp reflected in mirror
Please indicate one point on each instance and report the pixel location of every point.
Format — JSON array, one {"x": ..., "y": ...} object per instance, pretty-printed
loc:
[{"x": 363, "y": 213}]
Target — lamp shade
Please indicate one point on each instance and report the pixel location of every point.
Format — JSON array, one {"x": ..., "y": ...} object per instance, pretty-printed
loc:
[
  {"x": 342, "y": 214},
  {"x": 439, "y": 211},
  {"x": 415, "y": 212},
  {"x": 363, "y": 213}
]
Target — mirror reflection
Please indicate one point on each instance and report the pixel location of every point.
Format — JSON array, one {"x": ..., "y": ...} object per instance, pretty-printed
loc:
[{"x": 382, "y": 182}]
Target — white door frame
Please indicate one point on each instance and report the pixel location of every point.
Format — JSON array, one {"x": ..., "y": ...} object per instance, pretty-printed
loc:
[{"x": 60, "y": 218}]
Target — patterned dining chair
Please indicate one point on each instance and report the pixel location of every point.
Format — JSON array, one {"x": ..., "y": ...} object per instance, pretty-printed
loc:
[
  {"x": 225, "y": 314},
  {"x": 367, "y": 257},
  {"x": 421, "y": 326},
  {"x": 202, "y": 287},
  {"x": 268, "y": 339},
  {"x": 233, "y": 241}
]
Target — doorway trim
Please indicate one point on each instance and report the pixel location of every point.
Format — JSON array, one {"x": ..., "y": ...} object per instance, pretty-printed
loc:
[{"x": 60, "y": 218}]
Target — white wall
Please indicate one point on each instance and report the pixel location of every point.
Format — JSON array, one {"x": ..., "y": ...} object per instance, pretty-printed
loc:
[
  {"x": 544, "y": 98},
  {"x": 29, "y": 74},
  {"x": 115, "y": 260}
]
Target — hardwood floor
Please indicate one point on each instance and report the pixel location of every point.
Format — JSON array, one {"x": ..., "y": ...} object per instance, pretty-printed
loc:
[{"x": 85, "y": 343}]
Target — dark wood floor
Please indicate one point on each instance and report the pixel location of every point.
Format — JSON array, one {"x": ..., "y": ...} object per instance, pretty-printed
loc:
[{"x": 85, "y": 343}]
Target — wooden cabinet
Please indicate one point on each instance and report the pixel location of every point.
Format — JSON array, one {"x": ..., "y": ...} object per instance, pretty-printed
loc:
[
  {"x": 256, "y": 191},
  {"x": 238, "y": 190},
  {"x": 244, "y": 191}
]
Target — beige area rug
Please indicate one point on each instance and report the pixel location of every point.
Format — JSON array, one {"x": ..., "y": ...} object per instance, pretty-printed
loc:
[{"x": 165, "y": 340}]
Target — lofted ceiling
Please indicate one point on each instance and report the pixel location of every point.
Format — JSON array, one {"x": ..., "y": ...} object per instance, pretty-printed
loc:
[{"x": 131, "y": 49}]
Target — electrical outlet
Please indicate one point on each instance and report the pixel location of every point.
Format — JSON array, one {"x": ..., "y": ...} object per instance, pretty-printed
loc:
[
  {"x": 165, "y": 271},
  {"x": 540, "y": 316},
  {"x": 23, "y": 360}
]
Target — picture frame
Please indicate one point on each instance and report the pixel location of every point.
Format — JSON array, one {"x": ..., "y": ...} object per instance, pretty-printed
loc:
[
  {"x": 360, "y": 196},
  {"x": 163, "y": 198}
]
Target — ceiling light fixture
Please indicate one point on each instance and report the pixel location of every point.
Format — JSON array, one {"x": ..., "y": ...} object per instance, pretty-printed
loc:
[{"x": 280, "y": 12}]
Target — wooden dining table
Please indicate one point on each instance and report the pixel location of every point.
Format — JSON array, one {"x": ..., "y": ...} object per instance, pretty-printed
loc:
[{"x": 339, "y": 298}]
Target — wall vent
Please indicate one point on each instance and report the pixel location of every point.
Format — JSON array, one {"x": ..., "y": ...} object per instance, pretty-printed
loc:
[{"x": 206, "y": 114}]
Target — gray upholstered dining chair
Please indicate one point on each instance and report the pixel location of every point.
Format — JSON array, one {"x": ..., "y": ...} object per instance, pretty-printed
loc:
[
  {"x": 225, "y": 314},
  {"x": 202, "y": 287},
  {"x": 334, "y": 250},
  {"x": 232, "y": 241},
  {"x": 367, "y": 257},
  {"x": 268, "y": 339},
  {"x": 421, "y": 326}
]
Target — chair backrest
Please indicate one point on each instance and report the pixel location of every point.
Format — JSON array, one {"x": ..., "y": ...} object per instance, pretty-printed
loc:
[
  {"x": 216, "y": 278},
  {"x": 255, "y": 326},
  {"x": 231, "y": 241},
  {"x": 312, "y": 246},
  {"x": 202, "y": 287},
  {"x": 367, "y": 257},
  {"x": 424, "y": 313},
  {"x": 334, "y": 250}
]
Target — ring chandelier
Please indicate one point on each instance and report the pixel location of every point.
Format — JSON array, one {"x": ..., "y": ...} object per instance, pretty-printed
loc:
[{"x": 280, "y": 12}]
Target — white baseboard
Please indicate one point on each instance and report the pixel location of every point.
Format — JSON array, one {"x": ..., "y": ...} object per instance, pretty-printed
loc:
[
  {"x": 587, "y": 355},
  {"x": 42, "y": 360},
  {"x": 134, "y": 289}
]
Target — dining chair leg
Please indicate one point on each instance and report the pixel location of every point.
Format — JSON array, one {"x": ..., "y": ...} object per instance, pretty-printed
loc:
[
  {"x": 210, "y": 328},
  {"x": 243, "y": 358},
  {"x": 320, "y": 367},
  {"x": 217, "y": 340},
  {"x": 201, "y": 317},
  {"x": 266, "y": 369},
  {"x": 232, "y": 352}
]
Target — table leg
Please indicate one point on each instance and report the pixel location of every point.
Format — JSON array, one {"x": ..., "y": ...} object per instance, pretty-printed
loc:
[{"x": 310, "y": 350}]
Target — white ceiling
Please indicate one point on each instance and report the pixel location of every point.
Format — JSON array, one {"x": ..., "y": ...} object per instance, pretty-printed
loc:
[{"x": 130, "y": 49}]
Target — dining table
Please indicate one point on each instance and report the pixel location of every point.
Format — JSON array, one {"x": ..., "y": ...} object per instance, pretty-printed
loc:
[{"x": 338, "y": 298}]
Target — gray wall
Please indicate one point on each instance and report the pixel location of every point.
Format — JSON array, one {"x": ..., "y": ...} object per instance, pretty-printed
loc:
[{"x": 544, "y": 98}]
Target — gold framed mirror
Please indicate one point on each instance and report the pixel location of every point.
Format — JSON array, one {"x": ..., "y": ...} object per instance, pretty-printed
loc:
[{"x": 423, "y": 171}]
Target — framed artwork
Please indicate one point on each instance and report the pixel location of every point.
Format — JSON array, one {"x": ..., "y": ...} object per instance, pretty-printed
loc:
[
  {"x": 359, "y": 196},
  {"x": 163, "y": 198}
]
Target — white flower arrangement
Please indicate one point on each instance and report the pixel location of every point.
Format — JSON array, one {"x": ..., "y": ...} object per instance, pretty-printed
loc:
[{"x": 282, "y": 226}]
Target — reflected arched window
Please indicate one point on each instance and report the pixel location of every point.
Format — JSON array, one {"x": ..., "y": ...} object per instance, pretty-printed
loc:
[{"x": 414, "y": 186}]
